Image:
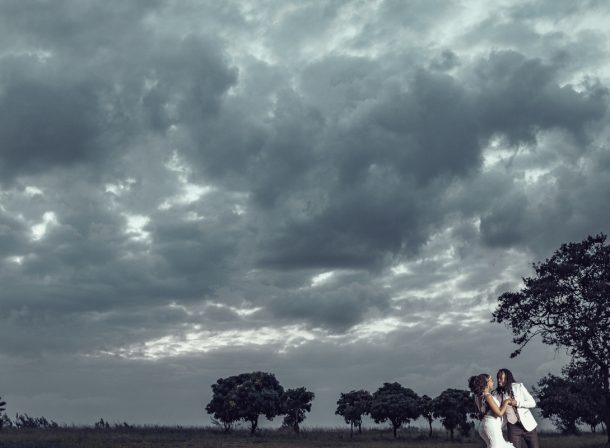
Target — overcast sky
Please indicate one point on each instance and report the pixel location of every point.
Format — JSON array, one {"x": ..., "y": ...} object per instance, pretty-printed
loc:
[{"x": 333, "y": 191}]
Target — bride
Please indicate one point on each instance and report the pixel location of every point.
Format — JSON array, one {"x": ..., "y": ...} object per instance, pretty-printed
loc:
[{"x": 491, "y": 411}]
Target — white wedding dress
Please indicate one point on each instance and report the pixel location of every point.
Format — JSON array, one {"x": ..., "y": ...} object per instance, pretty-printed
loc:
[{"x": 490, "y": 428}]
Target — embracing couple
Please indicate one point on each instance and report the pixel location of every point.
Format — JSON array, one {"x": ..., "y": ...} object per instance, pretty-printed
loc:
[{"x": 510, "y": 403}]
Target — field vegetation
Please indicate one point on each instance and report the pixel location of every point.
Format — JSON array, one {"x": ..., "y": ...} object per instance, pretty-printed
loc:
[{"x": 157, "y": 437}]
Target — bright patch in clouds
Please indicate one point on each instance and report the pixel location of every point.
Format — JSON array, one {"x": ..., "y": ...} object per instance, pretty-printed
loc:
[
  {"x": 197, "y": 341},
  {"x": 321, "y": 278},
  {"x": 39, "y": 230},
  {"x": 135, "y": 227}
]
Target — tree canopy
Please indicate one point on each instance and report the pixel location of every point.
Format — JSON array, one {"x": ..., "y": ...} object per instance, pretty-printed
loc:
[
  {"x": 453, "y": 406},
  {"x": 294, "y": 404},
  {"x": 352, "y": 406},
  {"x": 246, "y": 397},
  {"x": 395, "y": 403}
]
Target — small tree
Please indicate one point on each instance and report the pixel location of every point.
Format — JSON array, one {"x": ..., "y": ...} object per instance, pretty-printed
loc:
[
  {"x": 587, "y": 378},
  {"x": 395, "y": 403},
  {"x": 560, "y": 400},
  {"x": 294, "y": 404},
  {"x": 23, "y": 421},
  {"x": 352, "y": 406},
  {"x": 6, "y": 422},
  {"x": 102, "y": 424},
  {"x": 453, "y": 406},
  {"x": 567, "y": 303},
  {"x": 426, "y": 410}
]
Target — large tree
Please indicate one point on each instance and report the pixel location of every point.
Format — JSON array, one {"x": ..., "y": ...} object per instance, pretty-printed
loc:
[
  {"x": 567, "y": 303},
  {"x": 352, "y": 406},
  {"x": 246, "y": 397},
  {"x": 395, "y": 403},
  {"x": 453, "y": 406},
  {"x": 294, "y": 404}
]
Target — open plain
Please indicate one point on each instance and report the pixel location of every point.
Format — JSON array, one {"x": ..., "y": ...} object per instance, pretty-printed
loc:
[{"x": 163, "y": 437}]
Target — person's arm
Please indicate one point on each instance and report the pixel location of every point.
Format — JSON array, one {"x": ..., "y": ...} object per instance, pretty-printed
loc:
[
  {"x": 527, "y": 401},
  {"x": 499, "y": 411}
]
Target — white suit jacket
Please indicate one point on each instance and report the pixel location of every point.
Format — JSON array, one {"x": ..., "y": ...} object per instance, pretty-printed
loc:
[{"x": 524, "y": 403}]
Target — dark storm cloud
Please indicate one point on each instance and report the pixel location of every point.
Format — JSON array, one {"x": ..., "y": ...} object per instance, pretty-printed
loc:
[
  {"x": 48, "y": 122},
  {"x": 521, "y": 96},
  {"x": 379, "y": 155},
  {"x": 89, "y": 114}
]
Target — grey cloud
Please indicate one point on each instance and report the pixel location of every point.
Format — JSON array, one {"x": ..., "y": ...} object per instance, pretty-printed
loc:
[
  {"x": 337, "y": 309},
  {"x": 504, "y": 223},
  {"x": 47, "y": 122},
  {"x": 554, "y": 9},
  {"x": 520, "y": 96}
]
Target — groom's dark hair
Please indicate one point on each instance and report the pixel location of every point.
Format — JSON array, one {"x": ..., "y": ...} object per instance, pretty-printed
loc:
[{"x": 508, "y": 384}]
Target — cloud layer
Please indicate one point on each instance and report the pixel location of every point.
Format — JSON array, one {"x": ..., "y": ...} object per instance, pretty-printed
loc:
[{"x": 326, "y": 190}]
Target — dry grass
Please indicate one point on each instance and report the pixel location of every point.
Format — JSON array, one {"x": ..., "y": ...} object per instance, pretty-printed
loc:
[{"x": 155, "y": 437}]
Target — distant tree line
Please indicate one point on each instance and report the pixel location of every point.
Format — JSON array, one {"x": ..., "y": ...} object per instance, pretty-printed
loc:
[{"x": 399, "y": 405}]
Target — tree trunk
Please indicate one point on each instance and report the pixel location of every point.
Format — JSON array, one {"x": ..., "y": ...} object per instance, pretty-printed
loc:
[
  {"x": 351, "y": 430},
  {"x": 607, "y": 414},
  {"x": 254, "y": 424},
  {"x": 360, "y": 428},
  {"x": 295, "y": 426},
  {"x": 605, "y": 375},
  {"x": 451, "y": 434},
  {"x": 395, "y": 429},
  {"x": 430, "y": 433}
]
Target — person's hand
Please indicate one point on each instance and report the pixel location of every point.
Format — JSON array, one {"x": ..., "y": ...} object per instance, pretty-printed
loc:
[{"x": 513, "y": 402}]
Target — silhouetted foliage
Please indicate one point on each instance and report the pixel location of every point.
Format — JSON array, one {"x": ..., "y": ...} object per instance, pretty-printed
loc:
[
  {"x": 6, "y": 422},
  {"x": 246, "y": 397},
  {"x": 567, "y": 303},
  {"x": 426, "y": 410},
  {"x": 25, "y": 421},
  {"x": 2, "y": 409},
  {"x": 465, "y": 427},
  {"x": 587, "y": 375},
  {"x": 223, "y": 405},
  {"x": 352, "y": 406},
  {"x": 101, "y": 424},
  {"x": 294, "y": 404},
  {"x": 453, "y": 407},
  {"x": 561, "y": 401},
  {"x": 395, "y": 403}
]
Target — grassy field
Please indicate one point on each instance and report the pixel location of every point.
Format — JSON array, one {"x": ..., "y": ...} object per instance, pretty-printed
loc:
[{"x": 143, "y": 437}]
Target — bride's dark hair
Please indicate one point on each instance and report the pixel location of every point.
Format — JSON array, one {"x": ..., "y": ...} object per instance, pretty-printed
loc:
[{"x": 477, "y": 383}]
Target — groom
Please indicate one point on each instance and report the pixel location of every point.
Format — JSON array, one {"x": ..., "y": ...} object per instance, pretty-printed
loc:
[{"x": 520, "y": 422}]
